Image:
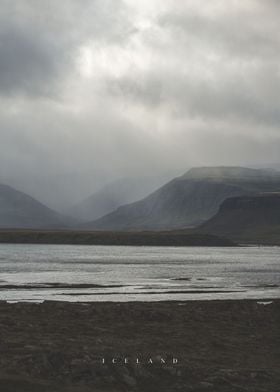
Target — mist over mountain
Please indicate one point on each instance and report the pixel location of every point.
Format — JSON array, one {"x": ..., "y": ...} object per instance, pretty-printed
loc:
[
  {"x": 248, "y": 219},
  {"x": 137, "y": 88},
  {"x": 189, "y": 200},
  {"x": 19, "y": 210},
  {"x": 113, "y": 195},
  {"x": 184, "y": 202},
  {"x": 94, "y": 91},
  {"x": 232, "y": 173}
]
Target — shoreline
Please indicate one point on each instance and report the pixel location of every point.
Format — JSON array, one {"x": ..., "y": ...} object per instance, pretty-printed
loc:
[
  {"x": 113, "y": 238},
  {"x": 220, "y": 345},
  {"x": 265, "y": 301},
  {"x": 233, "y": 244}
]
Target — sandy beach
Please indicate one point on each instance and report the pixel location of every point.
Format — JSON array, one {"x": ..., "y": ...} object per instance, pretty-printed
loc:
[{"x": 166, "y": 346}]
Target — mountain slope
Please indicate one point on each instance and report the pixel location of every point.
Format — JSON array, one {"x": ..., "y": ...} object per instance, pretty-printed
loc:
[
  {"x": 188, "y": 200},
  {"x": 19, "y": 210},
  {"x": 112, "y": 196},
  {"x": 248, "y": 219}
]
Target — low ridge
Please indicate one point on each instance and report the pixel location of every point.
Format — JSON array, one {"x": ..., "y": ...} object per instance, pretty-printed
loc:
[{"x": 254, "y": 219}]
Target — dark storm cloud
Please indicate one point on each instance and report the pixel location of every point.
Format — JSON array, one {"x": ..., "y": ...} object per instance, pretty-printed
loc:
[
  {"x": 214, "y": 66},
  {"x": 235, "y": 30},
  {"x": 27, "y": 64},
  {"x": 39, "y": 39},
  {"x": 94, "y": 90}
]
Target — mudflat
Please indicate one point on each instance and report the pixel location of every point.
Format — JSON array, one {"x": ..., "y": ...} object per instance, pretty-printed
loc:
[{"x": 159, "y": 346}]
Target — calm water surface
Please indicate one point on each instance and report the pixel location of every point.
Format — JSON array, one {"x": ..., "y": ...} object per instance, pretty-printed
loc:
[{"x": 118, "y": 273}]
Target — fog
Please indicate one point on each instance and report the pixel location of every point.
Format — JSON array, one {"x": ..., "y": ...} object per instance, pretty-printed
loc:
[{"x": 96, "y": 90}]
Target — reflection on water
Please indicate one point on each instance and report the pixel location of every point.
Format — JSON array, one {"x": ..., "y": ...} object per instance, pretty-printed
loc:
[{"x": 118, "y": 273}]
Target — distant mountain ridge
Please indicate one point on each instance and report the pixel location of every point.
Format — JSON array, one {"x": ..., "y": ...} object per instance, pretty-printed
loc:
[
  {"x": 184, "y": 202},
  {"x": 189, "y": 200},
  {"x": 112, "y": 196},
  {"x": 19, "y": 210},
  {"x": 228, "y": 173}
]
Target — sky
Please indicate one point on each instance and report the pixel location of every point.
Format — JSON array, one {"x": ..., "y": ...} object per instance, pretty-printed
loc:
[{"x": 96, "y": 90}]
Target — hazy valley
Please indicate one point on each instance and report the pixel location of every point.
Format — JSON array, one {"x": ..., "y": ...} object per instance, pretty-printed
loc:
[{"x": 239, "y": 203}]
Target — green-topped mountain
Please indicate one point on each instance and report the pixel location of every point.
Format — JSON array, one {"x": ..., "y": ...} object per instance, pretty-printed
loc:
[{"x": 189, "y": 200}]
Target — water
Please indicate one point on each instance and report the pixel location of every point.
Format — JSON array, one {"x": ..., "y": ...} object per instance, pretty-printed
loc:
[{"x": 118, "y": 273}]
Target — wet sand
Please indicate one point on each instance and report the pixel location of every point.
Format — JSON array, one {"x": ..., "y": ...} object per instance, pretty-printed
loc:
[{"x": 220, "y": 346}]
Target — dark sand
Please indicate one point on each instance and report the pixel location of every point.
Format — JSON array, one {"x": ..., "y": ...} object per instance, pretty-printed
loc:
[{"x": 220, "y": 345}]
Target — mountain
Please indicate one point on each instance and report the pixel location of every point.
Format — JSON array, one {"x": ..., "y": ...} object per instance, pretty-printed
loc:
[
  {"x": 112, "y": 196},
  {"x": 254, "y": 219},
  {"x": 233, "y": 173},
  {"x": 19, "y": 210},
  {"x": 189, "y": 200}
]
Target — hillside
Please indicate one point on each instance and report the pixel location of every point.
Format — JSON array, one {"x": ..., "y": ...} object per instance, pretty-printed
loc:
[
  {"x": 189, "y": 200},
  {"x": 253, "y": 219},
  {"x": 112, "y": 196},
  {"x": 19, "y": 210}
]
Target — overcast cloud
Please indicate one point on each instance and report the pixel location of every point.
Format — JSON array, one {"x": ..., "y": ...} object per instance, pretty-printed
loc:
[{"x": 95, "y": 90}]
